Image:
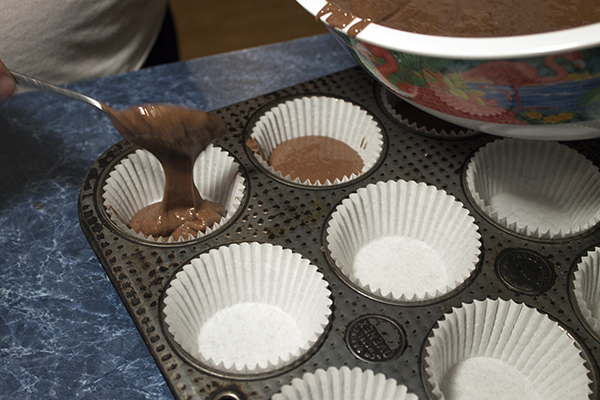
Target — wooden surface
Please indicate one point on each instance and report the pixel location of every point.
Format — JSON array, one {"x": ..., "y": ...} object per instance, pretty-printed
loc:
[{"x": 207, "y": 27}]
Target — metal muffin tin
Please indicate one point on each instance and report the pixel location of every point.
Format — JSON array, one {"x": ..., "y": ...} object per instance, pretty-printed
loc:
[{"x": 363, "y": 331}]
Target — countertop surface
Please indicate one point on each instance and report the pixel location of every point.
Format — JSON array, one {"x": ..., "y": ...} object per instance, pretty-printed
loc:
[{"x": 64, "y": 332}]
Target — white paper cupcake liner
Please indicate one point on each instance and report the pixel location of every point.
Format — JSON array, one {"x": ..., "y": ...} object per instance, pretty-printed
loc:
[
  {"x": 428, "y": 125},
  {"x": 139, "y": 180},
  {"x": 499, "y": 349},
  {"x": 344, "y": 384},
  {"x": 538, "y": 189},
  {"x": 586, "y": 288},
  {"x": 247, "y": 308},
  {"x": 319, "y": 116},
  {"x": 404, "y": 241}
]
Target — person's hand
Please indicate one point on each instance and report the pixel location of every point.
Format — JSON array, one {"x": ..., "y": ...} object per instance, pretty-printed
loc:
[{"x": 7, "y": 82}]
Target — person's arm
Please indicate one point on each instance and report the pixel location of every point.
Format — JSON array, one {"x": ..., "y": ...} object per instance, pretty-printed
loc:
[{"x": 7, "y": 82}]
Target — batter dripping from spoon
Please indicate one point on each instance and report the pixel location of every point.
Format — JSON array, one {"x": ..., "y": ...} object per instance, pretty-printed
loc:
[{"x": 176, "y": 136}]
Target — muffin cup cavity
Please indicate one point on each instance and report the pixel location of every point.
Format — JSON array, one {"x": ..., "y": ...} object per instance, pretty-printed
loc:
[
  {"x": 139, "y": 180},
  {"x": 247, "y": 308},
  {"x": 586, "y": 289},
  {"x": 318, "y": 116},
  {"x": 538, "y": 189},
  {"x": 404, "y": 241},
  {"x": 421, "y": 121},
  {"x": 529, "y": 355},
  {"x": 346, "y": 384}
]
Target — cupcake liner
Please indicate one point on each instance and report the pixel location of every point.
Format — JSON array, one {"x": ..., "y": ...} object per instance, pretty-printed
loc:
[
  {"x": 404, "y": 241},
  {"x": 420, "y": 121},
  {"x": 503, "y": 350},
  {"x": 538, "y": 189},
  {"x": 139, "y": 180},
  {"x": 586, "y": 288},
  {"x": 247, "y": 308},
  {"x": 344, "y": 384},
  {"x": 318, "y": 116}
]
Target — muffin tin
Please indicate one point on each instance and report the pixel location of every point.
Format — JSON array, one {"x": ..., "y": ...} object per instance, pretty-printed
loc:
[{"x": 385, "y": 336}]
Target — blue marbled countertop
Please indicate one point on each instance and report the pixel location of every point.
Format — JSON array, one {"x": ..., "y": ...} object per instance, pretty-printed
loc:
[{"x": 64, "y": 332}]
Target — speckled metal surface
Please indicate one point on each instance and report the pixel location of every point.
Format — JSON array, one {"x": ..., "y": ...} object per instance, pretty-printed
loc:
[{"x": 296, "y": 217}]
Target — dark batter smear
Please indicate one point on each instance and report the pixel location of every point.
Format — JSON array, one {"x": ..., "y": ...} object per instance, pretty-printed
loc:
[{"x": 340, "y": 18}]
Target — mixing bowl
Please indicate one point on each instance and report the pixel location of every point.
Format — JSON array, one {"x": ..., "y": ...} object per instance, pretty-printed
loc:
[{"x": 542, "y": 86}]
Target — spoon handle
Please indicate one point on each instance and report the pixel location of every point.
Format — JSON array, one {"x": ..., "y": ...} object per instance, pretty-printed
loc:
[{"x": 37, "y": 84}]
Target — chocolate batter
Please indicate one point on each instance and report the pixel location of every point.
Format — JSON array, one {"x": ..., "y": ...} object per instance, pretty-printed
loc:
[
  {"x": 466, "y": 18},
  {"x": 176, "y": 136},
  {"x": 316, "y": 158}
]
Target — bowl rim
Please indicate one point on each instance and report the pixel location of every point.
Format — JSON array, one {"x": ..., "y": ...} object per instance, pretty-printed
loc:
[{"x": 534, "y": 45}]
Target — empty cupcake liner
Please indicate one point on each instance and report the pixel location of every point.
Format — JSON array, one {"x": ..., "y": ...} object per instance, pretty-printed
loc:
[
  {"x": 500, "y": 349},
  {"x": 139, "y": 180},
  {"x": 586, "y": 288},
  {"x": 539, "y": 189},
  {"x": 318, "y": 116},
  {"x": 404, "y": 241},
  {"x": 247, "y": 308},
  {"x": 344, "y": 384},
  {"x": 420, "y": 121}
]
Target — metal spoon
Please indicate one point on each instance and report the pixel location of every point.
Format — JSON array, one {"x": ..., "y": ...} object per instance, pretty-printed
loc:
[
  {"x": 151, "y": 126},
  {"x": 37, "y": 84}
]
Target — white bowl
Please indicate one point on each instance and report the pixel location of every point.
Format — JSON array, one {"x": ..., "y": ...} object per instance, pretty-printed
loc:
[
  {"x": 493, "y": 48},
  {"x": 444, "y": 77}
]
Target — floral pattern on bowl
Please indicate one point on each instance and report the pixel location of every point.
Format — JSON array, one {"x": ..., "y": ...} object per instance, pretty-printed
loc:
[{"x": 558, "y": 89}]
